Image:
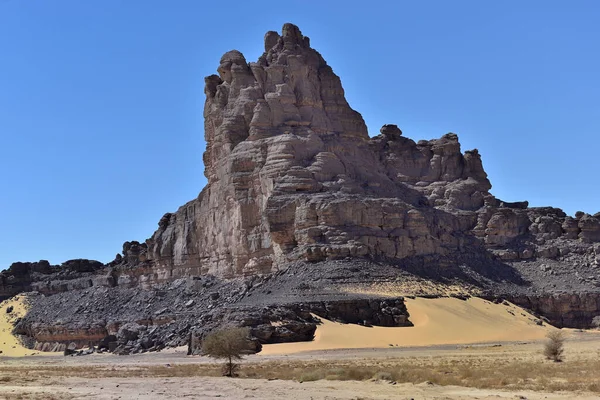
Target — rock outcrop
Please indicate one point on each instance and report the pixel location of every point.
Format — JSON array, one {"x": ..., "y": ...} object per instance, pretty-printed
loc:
[
  {"x": 572, "y": 310},
  {"x": 50, "y": 279},
  {"x": 293, "y": 174},
  {"x": 296, "y": 181}
]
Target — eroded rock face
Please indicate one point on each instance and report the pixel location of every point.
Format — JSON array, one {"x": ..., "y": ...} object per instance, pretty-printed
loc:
[
  {"x": 49, "y": 279},
  {"x": 293, "y": 174},
  {"x": 570, "y": 310}
]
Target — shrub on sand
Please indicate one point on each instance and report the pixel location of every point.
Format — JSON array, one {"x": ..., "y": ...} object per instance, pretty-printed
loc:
[
  {"x": 229, "y": 344},
  {"x": 554, "y": 346}
]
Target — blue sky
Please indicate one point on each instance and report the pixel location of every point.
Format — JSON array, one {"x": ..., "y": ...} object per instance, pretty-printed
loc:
[{"x": 101, "y": 126}]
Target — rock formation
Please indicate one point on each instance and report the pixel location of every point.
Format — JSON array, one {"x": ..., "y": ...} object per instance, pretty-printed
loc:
[
  {"x": 295, "y": 181},
  {"x": 293, "y": 174}
]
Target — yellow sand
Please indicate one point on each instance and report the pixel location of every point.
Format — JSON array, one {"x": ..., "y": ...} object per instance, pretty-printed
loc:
[
  {"x": 9, "y": 345},
  {"x": 436, "y": 321}
]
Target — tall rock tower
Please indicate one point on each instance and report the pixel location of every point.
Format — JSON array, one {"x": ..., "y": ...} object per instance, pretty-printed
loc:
[{"x": 293, "y": 174}]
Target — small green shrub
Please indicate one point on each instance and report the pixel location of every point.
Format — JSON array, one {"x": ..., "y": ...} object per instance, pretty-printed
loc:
[{"x": 228, "y": 344}]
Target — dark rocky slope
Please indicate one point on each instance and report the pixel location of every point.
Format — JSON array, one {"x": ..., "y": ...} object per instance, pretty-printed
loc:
[{"x": 304, "y": 211}]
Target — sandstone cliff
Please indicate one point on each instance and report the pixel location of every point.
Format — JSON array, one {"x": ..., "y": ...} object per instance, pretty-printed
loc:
[{"x": 293, "y": 174}]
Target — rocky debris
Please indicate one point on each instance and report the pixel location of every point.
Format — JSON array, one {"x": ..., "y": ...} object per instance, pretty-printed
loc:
[
  {"x": 563, "y": 310},
  {"x": 135, "y": 321},
  {"x": 133, "y": 338},
  {"x": 380, "y": 312},
  {"x": 302, "y": 211},
  {"x": 108, "y": 343},
  {"x": 240, "y": 302},
  {"x": 52, "y": 347},
  {"x": 277, "y": 307},
  {"x": 294, "y": 322},
  {"x": 69, "y": 352},
  {"x": 43, "y": 277},
  {"x": 129, "y": 332},
  {"x": 72, "y": 351}
]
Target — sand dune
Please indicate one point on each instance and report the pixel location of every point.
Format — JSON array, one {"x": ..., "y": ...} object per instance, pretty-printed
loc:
[
  {"x": 9, "y": 345},
  {"x": 436, "y": 321}
]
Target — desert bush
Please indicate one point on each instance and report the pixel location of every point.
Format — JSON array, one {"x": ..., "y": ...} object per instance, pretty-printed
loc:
[
  {"x": 346, "y": 373},
  {"x": 228, "y": 344},
  {"x": 596, "y": 322},
  {"x": 554, "y": 346},
  {"x": 358, "y": 373},
  {"x": 383, "y": 376},
  {"x": 311, "y": 376}
]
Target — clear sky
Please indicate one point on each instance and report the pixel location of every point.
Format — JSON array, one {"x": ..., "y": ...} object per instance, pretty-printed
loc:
[{"x": 101, "y": 126}]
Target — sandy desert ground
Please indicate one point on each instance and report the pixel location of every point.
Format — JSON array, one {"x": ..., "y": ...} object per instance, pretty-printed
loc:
[
  {"x": 457, "y": 349},
  {"x": 436, "y": 321},
  {"x": 9, "y": 345}
]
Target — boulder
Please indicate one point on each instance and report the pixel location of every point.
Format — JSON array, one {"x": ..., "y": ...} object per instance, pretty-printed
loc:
[{"x": 129, "y": 332}]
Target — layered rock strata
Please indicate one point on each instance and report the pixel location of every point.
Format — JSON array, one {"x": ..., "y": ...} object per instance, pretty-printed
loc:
[{"x": 293, "y": 174}]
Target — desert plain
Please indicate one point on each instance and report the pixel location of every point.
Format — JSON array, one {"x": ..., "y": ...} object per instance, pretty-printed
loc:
[{"x": 457, "y": 349}]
